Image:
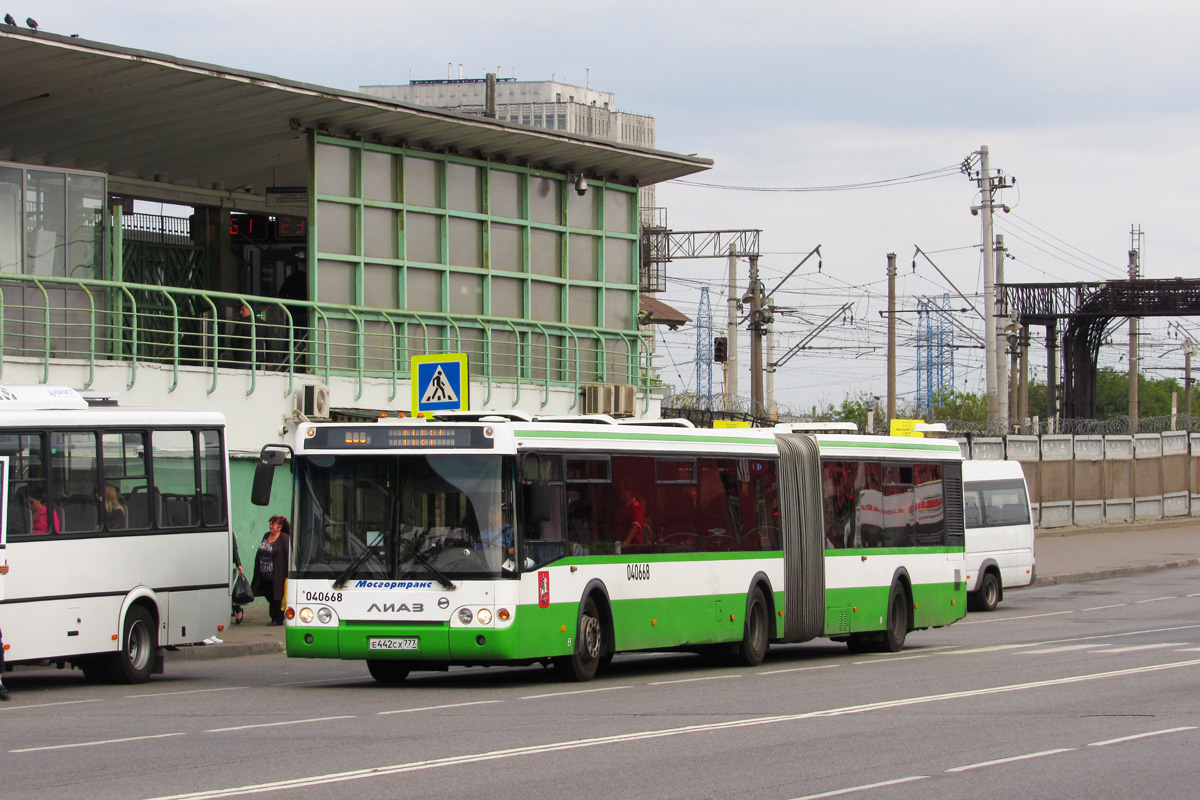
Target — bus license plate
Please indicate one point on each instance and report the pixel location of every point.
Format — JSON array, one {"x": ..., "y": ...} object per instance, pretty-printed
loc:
[{"x": 393, "y": 643}]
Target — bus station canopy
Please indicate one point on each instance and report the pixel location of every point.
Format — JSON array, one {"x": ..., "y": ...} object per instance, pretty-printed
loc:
[{"x": 74, "y": 103}]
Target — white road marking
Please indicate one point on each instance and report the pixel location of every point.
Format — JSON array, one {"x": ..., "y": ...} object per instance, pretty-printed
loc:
[
  {"x": 863, "y": 788},
  {"x": 889, "y": 659},
  {"x": 970, "y": 651},
  {"x": 1133, "y": 648},
  {"x": 275, "y": 724},
  {"x": 94, "y": 744},
  {"x": 1102, "y": 608},
  {"x": 189, "y": 691},
  {"x": 1010, "y": 619},
  {"x": 1066, "y": 648},
  {"x": 574, "y": 691},
  {"x": 1025, "y": 757},
  {"x": 693, "y": 680},
  {"x": 46, "y": 705},
  {"x": 795, "y": 669},
  {"x": 1107, "y": 742},
  {"x": 579, "y": 744},
  {"x": 439, "y": 708},
  {"x": 1155, "y": 600},
  {"x": 324, "y": 680}
]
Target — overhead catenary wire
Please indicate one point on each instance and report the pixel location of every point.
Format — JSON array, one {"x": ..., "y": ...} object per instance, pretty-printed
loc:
[{"x": 934, "y": 174}]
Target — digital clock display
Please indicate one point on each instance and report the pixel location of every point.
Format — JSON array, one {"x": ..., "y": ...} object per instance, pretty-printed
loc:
[
  {"x": 291, "y": 229},
  {"x": 261, "y": 228},
  {"x": 252, "y": 227}
]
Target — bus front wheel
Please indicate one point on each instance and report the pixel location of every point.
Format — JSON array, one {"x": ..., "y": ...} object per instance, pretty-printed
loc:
[
  {"x": 753, "y": 647},
  {"x": 590, "y": 648},
  {"x": 389, "y": 672},
  {"x": 134, "y": 662}
]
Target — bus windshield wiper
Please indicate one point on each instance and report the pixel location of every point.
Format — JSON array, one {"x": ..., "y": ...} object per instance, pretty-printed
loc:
[
  {"x": 358, "y": 561},
  {"x": 442, "y": 578}
]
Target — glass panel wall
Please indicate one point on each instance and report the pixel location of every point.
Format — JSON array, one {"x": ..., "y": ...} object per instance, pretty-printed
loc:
[{"x": 494, "y": 246}]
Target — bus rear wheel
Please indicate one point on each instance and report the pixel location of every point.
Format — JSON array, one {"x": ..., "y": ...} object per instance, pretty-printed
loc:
[
  {"x": 388, "y": 672},
  {"x": 753, "y": 647},
  {"x": 987, "y": 597},
  {"x": 134, "y": 662},
  {"x": 590, "y": 647},
  {"x": 897, "y": 620}
]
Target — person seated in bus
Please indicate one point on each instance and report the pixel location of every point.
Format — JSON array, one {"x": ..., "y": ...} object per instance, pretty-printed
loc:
[
  {"x": 115, "y": 514},
  {"x": 630, "y": 517},
  {"x": 40, "y": 516}
]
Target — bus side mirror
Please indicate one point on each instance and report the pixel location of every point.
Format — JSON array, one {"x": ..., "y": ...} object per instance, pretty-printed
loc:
[
  {"x": 272, "y": 456},
  {"x": 541, "y": 502}
]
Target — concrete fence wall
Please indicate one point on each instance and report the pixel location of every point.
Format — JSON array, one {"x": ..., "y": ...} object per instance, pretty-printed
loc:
[{"x": 1091, "y": 480}]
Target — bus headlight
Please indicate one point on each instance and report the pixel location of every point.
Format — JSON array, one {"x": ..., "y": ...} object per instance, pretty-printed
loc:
[
  {"x": 306, "y": 615},
  {"x": 324, "y": 615},
  {"x": 484, "y": 616},
  {"x": 464, "y": 616}
]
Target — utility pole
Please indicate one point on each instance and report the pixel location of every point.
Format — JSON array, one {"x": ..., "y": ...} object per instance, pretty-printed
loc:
[
  {"x": 891, "y": 342},
  {"x": 770, "y": 360},
  {"x": 993, "y": 365},
  {"x": 1187, "y": 383},
  {"x": 1135, "y": 235},
  {"x": 731, "y": 366},
  {"x": 1003, "y": 404},
  {"x": 757, "y": 323},
  {"x": 1023, "y": 393},
  {"x": 989, "y": 287}
]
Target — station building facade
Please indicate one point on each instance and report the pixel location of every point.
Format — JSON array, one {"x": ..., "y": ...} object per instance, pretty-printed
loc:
[{"x": 357, "y": 232}]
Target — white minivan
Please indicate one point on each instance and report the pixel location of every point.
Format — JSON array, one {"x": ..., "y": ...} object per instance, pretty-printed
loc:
[{"x": 999, "y": 523}]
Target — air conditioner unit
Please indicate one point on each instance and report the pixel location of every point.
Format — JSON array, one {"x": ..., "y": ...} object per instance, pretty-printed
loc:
[
  {"x": 624, "y": 397},
  {"x": 313, "y": 402},
  {"x": 597, "y": 399}
]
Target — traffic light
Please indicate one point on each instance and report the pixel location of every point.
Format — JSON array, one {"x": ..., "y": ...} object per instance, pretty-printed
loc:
[{"x": 720, "y": 349}]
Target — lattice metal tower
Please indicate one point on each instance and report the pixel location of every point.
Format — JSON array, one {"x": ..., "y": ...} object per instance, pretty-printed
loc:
[
  {"x": 935, "y": 349},
  {"x": 704, "y": 347}
]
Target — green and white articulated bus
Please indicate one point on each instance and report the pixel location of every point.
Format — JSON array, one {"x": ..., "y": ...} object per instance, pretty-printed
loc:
[{"x": 504, "y": 539}]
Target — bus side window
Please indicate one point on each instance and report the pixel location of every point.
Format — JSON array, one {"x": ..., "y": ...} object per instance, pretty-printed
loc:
[
  {"x": 25, "y": 476},
  {"x": 124, "y": 455},
  {"x": 74, "y": 460},
  {"x": 972, "y": 509},
  {"x": 175, "y": 478}
]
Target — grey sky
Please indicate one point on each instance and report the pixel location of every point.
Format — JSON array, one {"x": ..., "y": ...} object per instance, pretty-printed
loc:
[{"x": 1094, "y": 107}]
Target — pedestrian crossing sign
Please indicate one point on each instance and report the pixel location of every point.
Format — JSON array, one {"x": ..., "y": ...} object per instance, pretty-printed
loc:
[{"x": 440, "y": 383}]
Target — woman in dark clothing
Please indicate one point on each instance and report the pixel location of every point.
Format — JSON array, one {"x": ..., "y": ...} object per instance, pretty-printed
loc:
[
  {"x": 271, "y": 566},
  {"x": 238, "y": 611}
]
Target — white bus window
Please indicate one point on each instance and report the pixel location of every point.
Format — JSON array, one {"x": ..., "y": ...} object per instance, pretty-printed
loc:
[
  {"x": 125, "y": 471},
  {"x": 1004, "y": 503},
  {"x": 26, "y": 478},
  {"x": 76, "y": 494},
  {"x": 212, "y": 477},
  {"x": 175, "y": 488}
]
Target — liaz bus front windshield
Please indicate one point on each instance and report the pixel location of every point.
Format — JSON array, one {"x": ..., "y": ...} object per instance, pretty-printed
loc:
[{"x": 375, "y": 517}]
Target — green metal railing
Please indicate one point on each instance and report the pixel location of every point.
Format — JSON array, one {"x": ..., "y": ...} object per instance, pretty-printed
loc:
[{"x": 59, "y": 320}]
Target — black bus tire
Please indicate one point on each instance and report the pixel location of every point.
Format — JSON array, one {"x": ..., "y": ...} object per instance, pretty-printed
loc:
[
  {"x": 134, "y": 662},
  {"x": 897, "y": 620},
  {"x": 590, "y": 647},
  {"x": 387, "y": 672},
  {"x": 755, "y": 637}
]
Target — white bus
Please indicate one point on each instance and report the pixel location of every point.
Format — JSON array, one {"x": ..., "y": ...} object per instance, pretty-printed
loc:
[
  {"x": 510, "y": 540},
  {"x": 116, "y": 532},
  {"x": 1000, "y": 535}
]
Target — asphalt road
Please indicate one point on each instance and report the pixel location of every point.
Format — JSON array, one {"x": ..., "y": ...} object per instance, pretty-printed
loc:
[{"x": 1078, "y": 690}]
